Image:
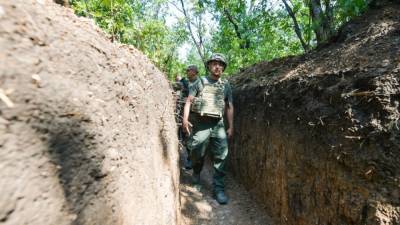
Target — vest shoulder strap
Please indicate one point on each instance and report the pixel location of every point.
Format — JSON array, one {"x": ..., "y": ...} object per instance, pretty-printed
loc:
[{"x": 204, "y": 81}]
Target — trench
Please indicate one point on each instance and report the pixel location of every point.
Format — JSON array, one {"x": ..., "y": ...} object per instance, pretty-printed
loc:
[
  {"x": 199, "y": 206},
  {"x": 320, "y": 147}
]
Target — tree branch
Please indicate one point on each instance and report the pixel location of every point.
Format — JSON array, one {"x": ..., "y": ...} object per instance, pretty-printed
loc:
[
  {"x": 296, "y": 25},
  {"x": 189, "y": 27},
  {"x": 239, "y": 35},
  {"x": 232, "y": 21}
]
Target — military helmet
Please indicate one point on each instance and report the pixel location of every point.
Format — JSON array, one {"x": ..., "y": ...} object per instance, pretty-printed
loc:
[
  {"x": 192, "y": 67},
  {"x": 217, "y": 57}
]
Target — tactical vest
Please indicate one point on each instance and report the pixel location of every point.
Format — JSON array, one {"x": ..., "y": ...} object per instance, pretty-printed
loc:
[{"x": 211, "y": 99}]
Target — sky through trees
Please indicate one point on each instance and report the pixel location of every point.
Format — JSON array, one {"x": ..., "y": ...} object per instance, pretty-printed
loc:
[{"x": 175, "y": 33}]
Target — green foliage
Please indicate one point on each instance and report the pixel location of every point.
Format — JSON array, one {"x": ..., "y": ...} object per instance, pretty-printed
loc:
[
  {"x": 139, "y": 23},
  {"x": 264, "y": 34},
  {"x": 346, "y": 9},
  {"x": 268, "y": 31},
  {"x": 245, "y": 31}
]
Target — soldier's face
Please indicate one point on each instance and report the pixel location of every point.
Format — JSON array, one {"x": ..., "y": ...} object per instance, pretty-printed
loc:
[
  {"x": 216, "y": 68},
  {"x": 191, "y": 74}
]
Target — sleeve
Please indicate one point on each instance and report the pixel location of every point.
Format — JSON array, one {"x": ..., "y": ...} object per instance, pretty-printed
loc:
[{"x": 228, "y": 93}]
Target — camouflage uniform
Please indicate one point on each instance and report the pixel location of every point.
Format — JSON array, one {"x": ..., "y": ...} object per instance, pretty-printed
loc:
[
  {"x": 192, "y": 78},
  {"x": 209, "y": 132},
  {"x": 183, "y": 137}
]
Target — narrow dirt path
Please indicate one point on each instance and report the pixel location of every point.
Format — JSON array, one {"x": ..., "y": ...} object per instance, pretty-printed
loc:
[{"x": 200, "y": 208}]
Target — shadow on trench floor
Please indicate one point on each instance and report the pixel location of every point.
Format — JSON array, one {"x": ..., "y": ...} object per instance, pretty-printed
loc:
[{"x": 200, "y": 208}]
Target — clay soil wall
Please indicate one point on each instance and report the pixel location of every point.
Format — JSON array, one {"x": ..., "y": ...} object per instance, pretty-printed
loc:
[
  {"x": 317, "y": 136},
  {"x": 87, "y": 133}
]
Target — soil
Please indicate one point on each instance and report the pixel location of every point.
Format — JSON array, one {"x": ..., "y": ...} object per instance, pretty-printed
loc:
[
  {"x": 87, "y": 133},
  {"x": 321, "y": 130},
  {"x": 200, "y": 208}
]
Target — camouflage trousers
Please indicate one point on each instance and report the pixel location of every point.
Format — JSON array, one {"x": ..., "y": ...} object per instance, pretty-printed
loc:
[{"x": 210, "y": 135}]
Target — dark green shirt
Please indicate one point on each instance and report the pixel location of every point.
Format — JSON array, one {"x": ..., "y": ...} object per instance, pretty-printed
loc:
[{"x": 197, "y": 86}]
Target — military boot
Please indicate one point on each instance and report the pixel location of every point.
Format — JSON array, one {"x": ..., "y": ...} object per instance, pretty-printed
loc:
[{"x": 221, "y": 198}]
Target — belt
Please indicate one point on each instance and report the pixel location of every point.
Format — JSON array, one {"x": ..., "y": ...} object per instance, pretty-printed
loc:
[{"x": 201, "y": 118}]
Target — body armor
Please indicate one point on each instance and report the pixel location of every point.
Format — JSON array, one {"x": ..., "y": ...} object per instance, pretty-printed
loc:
[{"x": 210, "y": 101}]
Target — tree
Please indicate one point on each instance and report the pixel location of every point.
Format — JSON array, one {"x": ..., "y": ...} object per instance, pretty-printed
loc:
[
  {"x": 139, "y": 23},
  {"x": 199, "y": 41},
  {"x": 296, "y": 25},
  {"x": 322, "y": 19},
  {"x": 245, "y": 42},
  {"x": 246, "y": 31}
]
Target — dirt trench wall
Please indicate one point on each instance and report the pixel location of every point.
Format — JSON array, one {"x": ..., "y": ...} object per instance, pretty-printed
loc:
[
  {"x": 87, "y": 134},
  {"x": 317, "y": 136}
]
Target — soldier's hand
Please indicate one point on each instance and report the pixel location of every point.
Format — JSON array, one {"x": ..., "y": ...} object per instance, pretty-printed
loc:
[
  {"x": 186, "y": 125},
  {"x": 229, "y": 132}
]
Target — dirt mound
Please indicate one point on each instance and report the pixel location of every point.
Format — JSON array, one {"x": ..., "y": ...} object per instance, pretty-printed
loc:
[
  {"x": 318, "y": 135},
  {"x": 87, "y": 133}
]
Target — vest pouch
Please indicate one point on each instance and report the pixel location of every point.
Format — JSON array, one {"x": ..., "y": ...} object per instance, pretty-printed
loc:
[
  {"x": 210, "y": 102},
  {"x": 197, "y": 105}
]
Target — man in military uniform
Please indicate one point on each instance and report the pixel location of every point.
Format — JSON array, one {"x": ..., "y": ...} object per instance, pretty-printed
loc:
[
  {"x": 207, "y": 102},
  {"x": 191, "y": 77}
]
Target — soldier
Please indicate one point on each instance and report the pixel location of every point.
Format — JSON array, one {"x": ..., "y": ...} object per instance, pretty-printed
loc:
[
  {"x": 206, "y": 103},
  {"x": 191, "y": 77}
]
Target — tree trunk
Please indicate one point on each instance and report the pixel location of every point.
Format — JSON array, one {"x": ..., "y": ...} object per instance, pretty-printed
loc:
[
  {"x": 189, "y": 27},
  {"x": 295, "y": 25},
  {"x": 329, "y": 28},
  {"x": 322, "y": 21}
]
